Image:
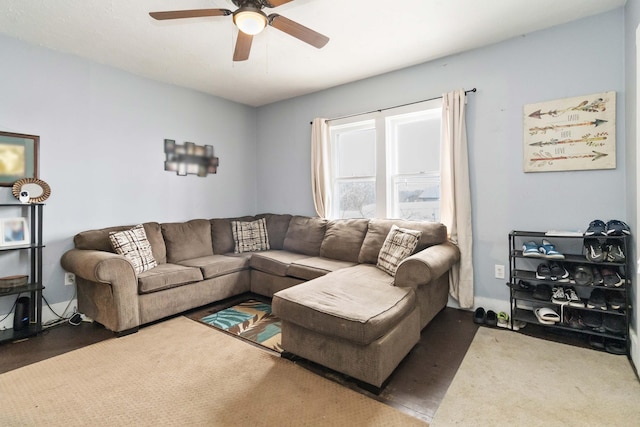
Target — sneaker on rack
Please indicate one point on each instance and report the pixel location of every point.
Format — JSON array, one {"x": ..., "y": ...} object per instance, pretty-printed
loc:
[
  {"x": 591, "y": 319},
  {"x": 615, "y": 299},
  {"x": 597, "y": 299},
  {"x": 611, "y": 278},
  {"x": 593, "y": 250},
  {"x": 572, "y": 297},
  {"x": 596, "y": 227},
  {"x": 558, "y": 296},
  {"x": 530, "y": 249},
  {"x": 597, "y": 276},
  {"x": 542, "y": 292},
  {"x": 549, "y": 251},
  {"x": 614, "y": 252},
  {"x": 543, "y": 272},
  {"x": 616, "y": 227},
  {"x": 614, "y": 324},
  {"x": 558, "y": 273}
]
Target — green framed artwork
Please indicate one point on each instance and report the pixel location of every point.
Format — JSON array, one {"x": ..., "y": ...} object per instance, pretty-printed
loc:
[{"x": 18, "y": 157}]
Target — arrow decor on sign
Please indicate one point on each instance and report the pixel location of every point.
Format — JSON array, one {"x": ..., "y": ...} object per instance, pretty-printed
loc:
[
  {"x": 560, "y": 135},
  {"x": 189, "y": 158}
]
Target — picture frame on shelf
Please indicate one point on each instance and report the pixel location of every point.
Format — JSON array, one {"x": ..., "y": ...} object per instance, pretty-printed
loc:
[
  {"x": 18, "y": 157},
  {"x": 14, "y": 232}
]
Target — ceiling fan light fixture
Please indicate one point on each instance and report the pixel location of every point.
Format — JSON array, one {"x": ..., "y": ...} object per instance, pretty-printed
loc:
[{"x": 250, "y": 20}]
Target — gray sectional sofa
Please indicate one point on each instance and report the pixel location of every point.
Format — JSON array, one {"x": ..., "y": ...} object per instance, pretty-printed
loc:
[{"x": 337, "y": 308}]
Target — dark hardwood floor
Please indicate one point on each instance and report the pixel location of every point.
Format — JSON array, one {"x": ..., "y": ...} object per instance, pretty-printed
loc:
[{"x": 416, "y": 387}]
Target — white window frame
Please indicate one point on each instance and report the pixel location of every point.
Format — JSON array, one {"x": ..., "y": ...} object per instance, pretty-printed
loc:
[{"x": 384, "y": 155}]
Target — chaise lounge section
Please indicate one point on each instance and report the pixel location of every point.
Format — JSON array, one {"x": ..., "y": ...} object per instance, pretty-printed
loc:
[{"x": 337, "y": 307}]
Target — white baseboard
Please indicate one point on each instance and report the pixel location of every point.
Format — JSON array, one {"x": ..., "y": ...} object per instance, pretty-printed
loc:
[
  {"x": 496, "y": 305},
  {"x": 635, "y": 350},
  {"x": 47, "y": 314}
]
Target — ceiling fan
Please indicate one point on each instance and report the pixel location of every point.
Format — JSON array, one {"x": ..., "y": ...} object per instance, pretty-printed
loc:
[{"x": 251, "y": 20}]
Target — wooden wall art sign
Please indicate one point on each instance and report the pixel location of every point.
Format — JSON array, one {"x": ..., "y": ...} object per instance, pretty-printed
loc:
[
  {"x": 571, "y": 134},
  {"x": 189, "y": 158}
]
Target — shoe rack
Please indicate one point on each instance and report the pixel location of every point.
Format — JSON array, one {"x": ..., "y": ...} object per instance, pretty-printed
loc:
[{"x": 602, "y": 327}]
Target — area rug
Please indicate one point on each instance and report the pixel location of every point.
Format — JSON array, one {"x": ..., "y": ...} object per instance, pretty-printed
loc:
[
  {"x": 508, "y": 379},
  {"x": 180, "y": 372},
  {"x": 251, "y": 320}
]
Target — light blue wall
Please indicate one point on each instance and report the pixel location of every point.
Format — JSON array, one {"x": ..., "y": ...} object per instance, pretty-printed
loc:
[
  {"x": 102, "y": 153},
  {"x": 575, "y": 59}
]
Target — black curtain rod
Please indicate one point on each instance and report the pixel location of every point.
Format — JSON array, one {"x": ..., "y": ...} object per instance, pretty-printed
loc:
[{"x": 397, "y": 106}]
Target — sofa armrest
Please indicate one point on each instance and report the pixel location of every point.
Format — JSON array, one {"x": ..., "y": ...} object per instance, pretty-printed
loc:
[
  {"x": 107, "y": 287},
  {"x": 426, "y": 265},
  {"x": 99, "y": 266}
]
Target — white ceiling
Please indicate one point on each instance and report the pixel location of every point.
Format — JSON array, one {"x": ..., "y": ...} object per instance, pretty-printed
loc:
[{"x": 368, "y": 37}]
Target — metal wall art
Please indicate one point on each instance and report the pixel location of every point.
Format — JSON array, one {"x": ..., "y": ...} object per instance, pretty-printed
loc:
[
  {"x": 571, "y": 134},
  {"x": 189, "y": 158}
]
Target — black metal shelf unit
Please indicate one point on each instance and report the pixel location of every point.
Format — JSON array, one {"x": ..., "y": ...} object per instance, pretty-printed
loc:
[
  {"x": 34, "y": 287},
  {"x": 522, "y": 268}
]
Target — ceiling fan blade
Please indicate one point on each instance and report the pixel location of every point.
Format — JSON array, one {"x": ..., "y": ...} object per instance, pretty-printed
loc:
[
  {"x": 243, "y": 47},
  {"x": 276, "y": 3},
  {"x": 298, "y": 31},
  {"x": 198, "y": 13}
]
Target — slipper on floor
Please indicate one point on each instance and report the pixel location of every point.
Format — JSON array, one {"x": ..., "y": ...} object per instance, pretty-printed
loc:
[
  {"x": 546, "y": 316},
  {"x": 479, "y": 316}
]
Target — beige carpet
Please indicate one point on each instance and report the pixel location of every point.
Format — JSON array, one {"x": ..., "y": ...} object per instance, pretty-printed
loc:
[
  {"x": 180, "y": 372},
  {"x": 511, "y": 379}
]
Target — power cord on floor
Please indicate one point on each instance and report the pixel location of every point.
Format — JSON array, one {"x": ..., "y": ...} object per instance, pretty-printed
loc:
[{"x": 74, "y": 319}]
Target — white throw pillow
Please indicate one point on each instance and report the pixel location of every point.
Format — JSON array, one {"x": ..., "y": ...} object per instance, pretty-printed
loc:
[{"x": 250, "y": 236}]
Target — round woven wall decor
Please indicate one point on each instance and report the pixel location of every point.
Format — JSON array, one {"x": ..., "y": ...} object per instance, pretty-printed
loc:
[{"x": 41, "y": 193}]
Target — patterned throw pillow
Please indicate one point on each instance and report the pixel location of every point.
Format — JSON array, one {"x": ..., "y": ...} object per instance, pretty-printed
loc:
[
  {"x": 133, "y": 245},
  {"x": 250, "y": 236},
  {"x": 398, "y": 245}
]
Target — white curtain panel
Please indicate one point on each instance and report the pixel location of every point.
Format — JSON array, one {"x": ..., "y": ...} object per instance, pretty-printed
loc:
[
  {"x": 321, "y": 166},
  {"x": 455, "y": 193}
]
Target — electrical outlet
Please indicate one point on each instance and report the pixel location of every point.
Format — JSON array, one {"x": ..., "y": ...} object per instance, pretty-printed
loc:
[
  {"x": 69, "y": 279},
  {"x": 499, "y": 271}
]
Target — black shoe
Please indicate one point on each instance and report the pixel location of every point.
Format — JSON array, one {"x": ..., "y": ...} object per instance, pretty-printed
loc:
[
  {"x": 591, "y": 319},
  {"x": 597, "y": 300},
  {"x": 593, "y": 250},
  {"x": 614, "y": 324},
  {"x": 596, "y": 228},
  {"x": 617, "y": 228},
  {"x": 480, "y": 316},
  {"x": 558, "y": 272},
  {"x": 543, "y": 272},
  {"x": 614, "y": 252},
  {"x": 615, "y": 300},
  {"x": 542, "y": 292},
  {"x": 611, "y": 278},
  {"x": 615, "y": 347},
  {"x": 596, "y": 341},
  {"x": 492, "y": 318},
  {"x": 525, "y": 286},
  {"x": 597, "y": 276}
]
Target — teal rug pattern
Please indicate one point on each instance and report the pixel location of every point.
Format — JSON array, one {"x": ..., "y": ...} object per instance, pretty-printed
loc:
[{"x": 251, "y": 320}]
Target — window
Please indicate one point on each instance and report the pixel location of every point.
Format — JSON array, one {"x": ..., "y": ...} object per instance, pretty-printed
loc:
[{"x": 387, "y": 164}]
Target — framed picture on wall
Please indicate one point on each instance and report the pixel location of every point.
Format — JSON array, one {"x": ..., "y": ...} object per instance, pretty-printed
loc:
[
  {"x": 14, "y": 232},
  {"x": 571, "y": 134},
  {"x": 18, "y": 157}
]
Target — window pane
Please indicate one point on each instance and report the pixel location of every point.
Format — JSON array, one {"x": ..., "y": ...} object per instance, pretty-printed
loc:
[
  {"x": 418, "y": 146},
  {"x": 417, "y": 198},
  {"x": 356, "y": 153},
  {"x": 356, "y": 199}
]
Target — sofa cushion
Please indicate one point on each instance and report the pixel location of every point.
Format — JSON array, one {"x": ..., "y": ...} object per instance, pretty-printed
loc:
[
  {"x": 98, "y": 240},
  {"x": 222, "y": 236},
  {"x": 187, "y": 240},
  {"x": 277, "y": 226},
  {"x": 357, "y": 304},
  {"x": 305, "y": 235},
  {"x": 433, "y": 233},
  {"x": 399, "y": 244},
  {"x": 250, "y": 236},
  {"x": 274, "y": 262},
  {"x": 167, "y": 276},
  {"x": 343, "y": 239},
  {"x": 134, "y": 246},
  {"x": 311, "y": 268},
  {"x": 218, "y": 265}
]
